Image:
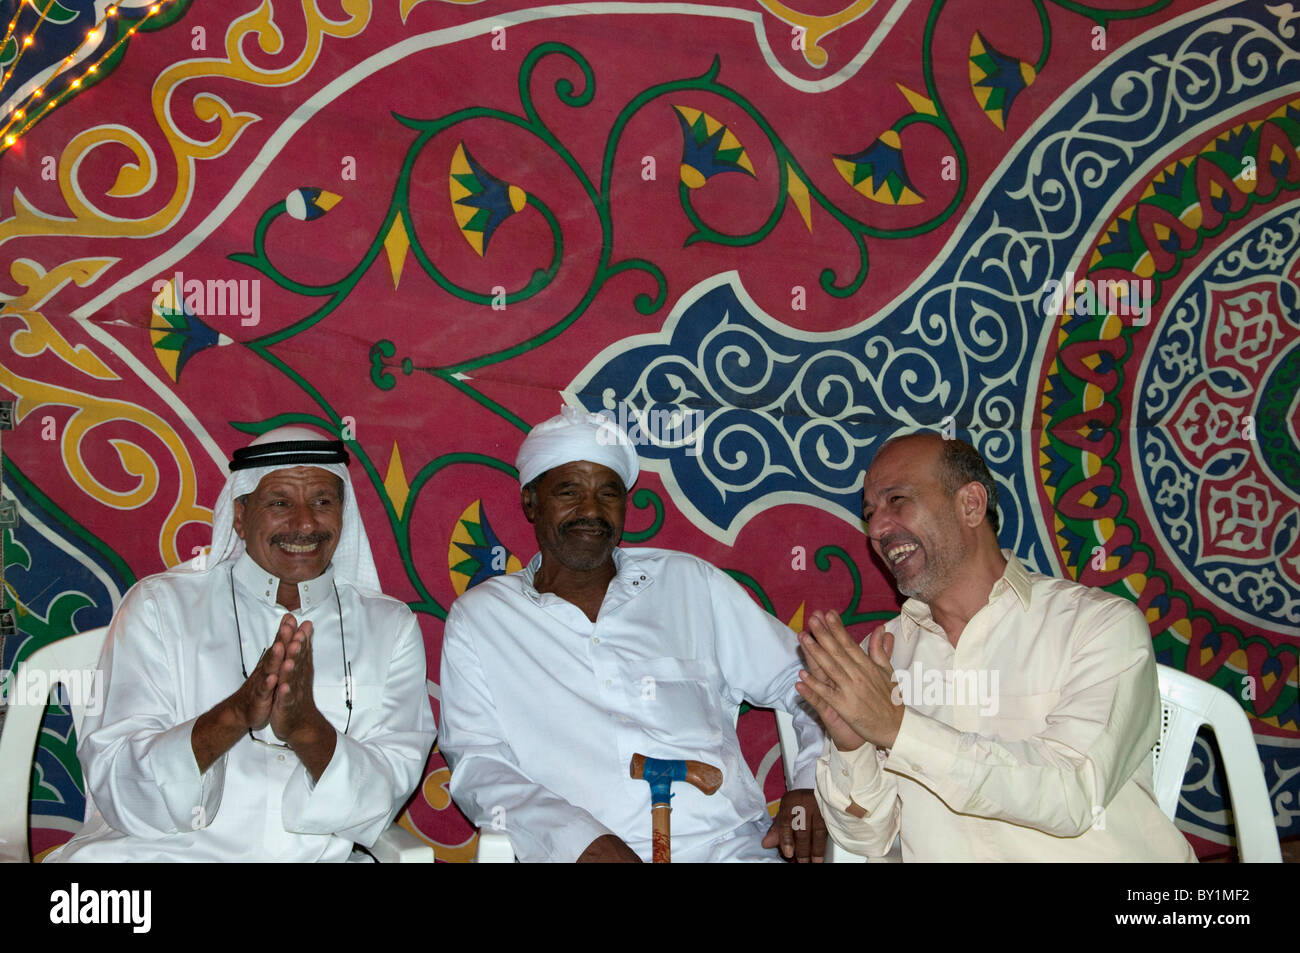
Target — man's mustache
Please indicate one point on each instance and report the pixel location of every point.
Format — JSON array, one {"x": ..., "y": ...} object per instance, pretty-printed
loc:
[
  {"x": 301, "y": 539},
  {"x": 585, "y": 524}
]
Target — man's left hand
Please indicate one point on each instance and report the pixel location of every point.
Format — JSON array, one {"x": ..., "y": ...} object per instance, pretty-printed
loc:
[
  {"x": 798, "y": 828},
  {"x": 295, "y": 719}
]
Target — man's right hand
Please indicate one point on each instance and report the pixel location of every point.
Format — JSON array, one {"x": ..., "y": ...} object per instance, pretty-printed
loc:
[
  {"x": 852, "y": 691},
  {"x": 252, "y": 704},
  {"x": 608, "y": 849},
  {"x": 248, "y": 709}
]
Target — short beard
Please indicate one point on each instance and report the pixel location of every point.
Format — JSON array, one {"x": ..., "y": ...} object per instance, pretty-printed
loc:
[
  {"x": 581, "y": 560},
  {"x": 938, "y": 573}
]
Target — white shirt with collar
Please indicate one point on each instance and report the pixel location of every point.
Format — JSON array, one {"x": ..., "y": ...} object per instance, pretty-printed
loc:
[
  {"x": 542, "y": 709},
  {"x": 1028, "y": 741},
  {"x": 173, "y": 653}
]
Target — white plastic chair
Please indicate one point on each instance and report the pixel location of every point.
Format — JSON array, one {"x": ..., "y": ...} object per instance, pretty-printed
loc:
[
  {"x": 1186, "y": 704},
  {"x": 76, "y": 653},
  {"x": 494, "y": 846},
  {"x": 56, "y": 662}
]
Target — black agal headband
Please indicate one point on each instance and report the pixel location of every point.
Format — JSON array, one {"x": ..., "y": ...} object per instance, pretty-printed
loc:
[{"x": 290, "y": 453}]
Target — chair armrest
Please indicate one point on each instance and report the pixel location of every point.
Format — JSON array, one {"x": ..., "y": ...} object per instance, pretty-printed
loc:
[
  {"x": 397, "y": 845},
  {"x": 494, "y": 848}
]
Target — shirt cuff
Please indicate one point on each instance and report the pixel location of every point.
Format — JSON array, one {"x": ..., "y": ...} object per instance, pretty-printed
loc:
[
  {"x": 328, "y": 804},
  {"x": 192, "y": 799},
  {"x": 805, "y": 777},
  {"x": 577, "y": 837},
  {"x": 851, "y": 779}
]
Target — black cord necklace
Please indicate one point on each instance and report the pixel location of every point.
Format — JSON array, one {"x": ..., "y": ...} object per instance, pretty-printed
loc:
[{"x": 343, "y": 648}]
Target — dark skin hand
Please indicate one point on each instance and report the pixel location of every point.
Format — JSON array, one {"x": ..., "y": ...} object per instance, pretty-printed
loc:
[
  {"x": 798, "y": 828},
  {"x": 608, "y": 849},
  {"x": 295, "y": 719},
  {"x": 216, "y": 730},
  {"x": 278, "y": 693}
]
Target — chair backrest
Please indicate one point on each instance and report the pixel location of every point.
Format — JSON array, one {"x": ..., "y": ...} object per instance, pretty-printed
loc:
[
  {"x": 1186, "y": 704},
  {"x": 72, "y": 662}
]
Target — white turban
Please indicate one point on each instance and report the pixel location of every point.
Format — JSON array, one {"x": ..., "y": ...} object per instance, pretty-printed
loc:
[
  {"x": 573, "y": 436},
  {"x": 352, "y": 560}
]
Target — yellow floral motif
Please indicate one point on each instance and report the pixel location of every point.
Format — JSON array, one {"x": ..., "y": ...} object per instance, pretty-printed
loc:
[
  {"x": 135, "y": 177},
  {"x": 816, "y": 28},
  {"x": 40, "y": 334},
  {"x": 91, "y": 412},
  {"x": 409, "y": 5}
]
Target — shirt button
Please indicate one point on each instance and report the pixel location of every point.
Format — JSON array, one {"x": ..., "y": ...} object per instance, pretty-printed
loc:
[
  {"x": 609, "y": 683},
  {"x": 636, "y": 583},
  {"x": 279, "y": 757},
  {"x": 643, "y": 577},
  {"x": 595, "y": 639}
]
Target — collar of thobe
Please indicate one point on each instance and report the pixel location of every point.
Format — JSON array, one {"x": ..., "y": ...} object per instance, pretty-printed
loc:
[
  {"x": 264, "y": 587},
  {"x": 630, "y": 579},
  {"x": 1015, "y": 577}
]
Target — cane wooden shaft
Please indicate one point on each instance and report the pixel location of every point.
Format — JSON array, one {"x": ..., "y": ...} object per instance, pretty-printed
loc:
[{"x": 661, "y": 834}]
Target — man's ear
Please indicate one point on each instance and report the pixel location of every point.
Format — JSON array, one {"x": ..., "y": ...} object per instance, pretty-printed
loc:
[
  {"x": 974, "y": 502},
  {"x": 528, "y": 500},
  {"x": 239, "y": 518}
]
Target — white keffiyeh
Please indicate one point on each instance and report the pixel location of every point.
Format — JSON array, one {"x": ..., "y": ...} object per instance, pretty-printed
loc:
[{"x": 352, "y": 560}]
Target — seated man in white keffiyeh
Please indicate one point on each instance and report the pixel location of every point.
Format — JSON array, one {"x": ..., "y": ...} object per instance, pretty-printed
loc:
[{"x": 269, "y": 704}]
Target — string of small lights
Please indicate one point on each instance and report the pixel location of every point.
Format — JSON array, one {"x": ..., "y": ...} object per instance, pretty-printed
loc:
[
  {"x": 22, "y": 118},
  {"x": 28, "y": 40},
  {"x": 13, "y": 24}
]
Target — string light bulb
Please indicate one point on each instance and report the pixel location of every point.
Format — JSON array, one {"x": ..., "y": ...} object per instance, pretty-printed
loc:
[{"x": 93, "y": 36}]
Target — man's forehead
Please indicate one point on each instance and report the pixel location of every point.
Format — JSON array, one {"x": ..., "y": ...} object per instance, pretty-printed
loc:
[
  {"x": 584, "y": 470},
  {"x": 906, "y": 462},
  {"x": 298, "y": 476}
]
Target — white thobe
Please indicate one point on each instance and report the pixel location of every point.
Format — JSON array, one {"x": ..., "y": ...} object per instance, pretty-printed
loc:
[
  {"x": 542, "y": 709},
  {"x": 1030, "y": 740},
  {"x": 173, "y": 653}
]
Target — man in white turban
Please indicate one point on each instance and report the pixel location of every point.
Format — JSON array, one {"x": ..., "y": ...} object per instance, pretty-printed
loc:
[
  {"x": 267, "y": 702},
  {"x": 553, "y": 677}
]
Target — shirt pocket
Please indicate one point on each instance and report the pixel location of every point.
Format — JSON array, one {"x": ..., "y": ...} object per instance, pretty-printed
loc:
[
  {"x": 673, "y": 709},
  {"x": 1018, "y": 717}
]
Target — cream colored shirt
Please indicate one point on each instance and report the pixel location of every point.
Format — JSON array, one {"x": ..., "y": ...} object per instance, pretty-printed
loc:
[{"x": 1028, "y": 741}]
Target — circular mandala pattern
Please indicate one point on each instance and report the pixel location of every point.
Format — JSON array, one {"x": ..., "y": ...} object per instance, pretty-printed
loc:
[{"x": 1217, "y": 461}]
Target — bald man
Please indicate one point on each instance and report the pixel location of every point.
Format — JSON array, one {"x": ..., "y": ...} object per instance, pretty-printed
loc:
[{"x": 1003, "y": 715}]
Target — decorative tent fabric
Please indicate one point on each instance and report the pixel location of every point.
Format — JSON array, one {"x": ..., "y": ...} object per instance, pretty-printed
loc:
[{"x": 764, "y": 237}]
